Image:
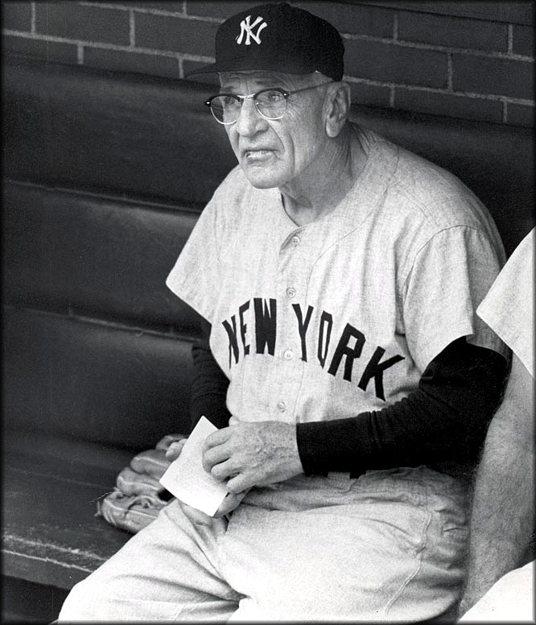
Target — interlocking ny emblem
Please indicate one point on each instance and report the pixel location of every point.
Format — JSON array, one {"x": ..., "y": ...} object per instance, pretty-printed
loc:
[{"x": 247, "y": 29}]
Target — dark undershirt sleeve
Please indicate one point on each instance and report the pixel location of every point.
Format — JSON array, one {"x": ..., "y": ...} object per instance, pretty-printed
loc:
[
  {"x": 445, "y": 419},
  {"x": 209, "y": 384}
]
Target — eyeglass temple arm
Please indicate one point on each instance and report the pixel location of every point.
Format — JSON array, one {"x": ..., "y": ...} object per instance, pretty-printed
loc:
[{"x": 285, "y": 93}]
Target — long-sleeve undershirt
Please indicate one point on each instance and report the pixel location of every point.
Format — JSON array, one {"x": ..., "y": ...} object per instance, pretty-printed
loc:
[{"x": 444, "y": 419}]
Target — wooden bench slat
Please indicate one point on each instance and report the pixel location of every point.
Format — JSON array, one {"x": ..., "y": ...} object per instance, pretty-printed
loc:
[{"x": 50, "y": 532}]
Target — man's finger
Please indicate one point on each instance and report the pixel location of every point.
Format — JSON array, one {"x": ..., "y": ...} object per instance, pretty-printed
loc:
[
  {"x": 223, "y": 470},
  {"x": 216, "y": 438},
  {"x": 174, "y": 450},
  {"x": 215, "y": 455},
  {"x": 229, "y": 504},
  {"x": 195, "y": 515},
  {"x": 239, "y": 483}
]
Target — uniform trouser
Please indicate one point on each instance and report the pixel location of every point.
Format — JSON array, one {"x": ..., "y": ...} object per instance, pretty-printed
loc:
[{"x": 387, "y": 546}]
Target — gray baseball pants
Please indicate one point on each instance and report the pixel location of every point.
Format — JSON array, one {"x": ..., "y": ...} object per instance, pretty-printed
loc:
[{"x": 388, "y": 546}]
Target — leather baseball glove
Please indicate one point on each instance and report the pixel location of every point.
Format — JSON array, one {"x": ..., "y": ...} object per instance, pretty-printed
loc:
[{"x": 138, "y": 496}]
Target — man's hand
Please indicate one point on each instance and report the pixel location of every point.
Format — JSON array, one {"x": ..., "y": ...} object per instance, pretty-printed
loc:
[
  {"x": 252, "y": 454},
  {"x": 200, "y": 518},
  {"x": 174, "y": 450},
  {"x": 196, "y": 516}
]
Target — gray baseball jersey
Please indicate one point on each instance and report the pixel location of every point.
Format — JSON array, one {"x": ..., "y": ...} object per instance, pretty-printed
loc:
[
  {"x": 508, "y": 307},
  {"x": 341, "y": 315}
]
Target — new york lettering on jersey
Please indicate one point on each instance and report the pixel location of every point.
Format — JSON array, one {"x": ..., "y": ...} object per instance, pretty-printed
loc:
[{"x": 317, "y": 341}]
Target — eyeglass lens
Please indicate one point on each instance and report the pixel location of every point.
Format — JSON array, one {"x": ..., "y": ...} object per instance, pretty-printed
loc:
[{"x": 270, "y": 103}]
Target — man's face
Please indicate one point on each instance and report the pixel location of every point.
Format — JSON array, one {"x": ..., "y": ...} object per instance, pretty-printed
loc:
[{"x": 274, "y": 153}]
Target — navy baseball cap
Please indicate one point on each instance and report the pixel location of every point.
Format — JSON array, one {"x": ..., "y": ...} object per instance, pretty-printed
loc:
[{"x": 279, "y": 38}]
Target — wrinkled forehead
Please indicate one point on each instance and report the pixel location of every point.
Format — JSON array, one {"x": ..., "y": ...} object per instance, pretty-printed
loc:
[{"x": 259, "y": 79}]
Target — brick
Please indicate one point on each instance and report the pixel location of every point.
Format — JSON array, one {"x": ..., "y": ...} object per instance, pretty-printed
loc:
[
  {"x": 139, "y": 62},
  {"x": 480, "y": 74},
  {"x": 452, "y": 31},
  {"x": 520, "y": 115},
  {"x": 221, "y": 10},
  {"x": 51, "y": 51},
  {"x": 370, "y": 95},
  {"x": 86, "y": 23},
  {"x": 17, "y": 16},
  {"x": 384, "y": 62},
  {"x": 168, "y": 7},
  {"x": 172, "y": 34},
  {"x": 448, "y": 104},
  {"x": 352, "y": 18},
  {"x": 347, "y": 18},
  {"x": 523, "y": 40}
]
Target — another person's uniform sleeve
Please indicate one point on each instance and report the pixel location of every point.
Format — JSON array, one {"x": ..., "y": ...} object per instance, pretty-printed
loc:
[{"x": 508, "y": 306}]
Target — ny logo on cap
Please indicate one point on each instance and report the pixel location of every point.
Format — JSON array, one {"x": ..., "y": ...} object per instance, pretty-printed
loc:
[{"x": 247, "y": 29}]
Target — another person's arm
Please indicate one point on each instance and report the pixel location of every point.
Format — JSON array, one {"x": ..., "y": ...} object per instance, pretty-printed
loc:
[{"x": 502, "y": 519}]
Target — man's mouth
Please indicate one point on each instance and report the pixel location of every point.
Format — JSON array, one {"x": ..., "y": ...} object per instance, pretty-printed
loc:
[{"x": 256, "y": 155}]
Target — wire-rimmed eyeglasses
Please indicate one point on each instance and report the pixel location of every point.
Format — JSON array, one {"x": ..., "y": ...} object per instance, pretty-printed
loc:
[{"x": 271, "y": 103}]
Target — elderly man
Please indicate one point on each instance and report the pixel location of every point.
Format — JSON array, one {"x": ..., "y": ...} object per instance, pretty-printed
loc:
[
  {"x": 500, "y": 582},
  {"x": 338, "y": 276}
]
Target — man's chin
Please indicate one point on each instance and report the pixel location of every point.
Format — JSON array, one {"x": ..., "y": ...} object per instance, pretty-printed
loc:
[{"x": 261, "y": 179}]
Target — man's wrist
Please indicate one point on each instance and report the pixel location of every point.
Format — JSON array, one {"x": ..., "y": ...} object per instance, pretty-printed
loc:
[
  {"x": 298, "y": 460},
  {"x": 330, "y": 446}
]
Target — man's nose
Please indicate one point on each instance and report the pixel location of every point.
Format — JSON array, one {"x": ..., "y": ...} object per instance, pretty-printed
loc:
[{"x": 249, "y": 120}]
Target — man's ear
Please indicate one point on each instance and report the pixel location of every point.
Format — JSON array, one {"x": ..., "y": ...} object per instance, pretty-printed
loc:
[{"x": 337, "y": 107}]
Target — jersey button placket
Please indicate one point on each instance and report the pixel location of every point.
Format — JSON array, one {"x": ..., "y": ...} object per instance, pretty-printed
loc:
[
  {"x": 288, "y": 354},
  {"x": 288, "y": 371}
]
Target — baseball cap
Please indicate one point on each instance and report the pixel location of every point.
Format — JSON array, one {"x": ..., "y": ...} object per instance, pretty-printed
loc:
[{"x": 280, "y": 38}]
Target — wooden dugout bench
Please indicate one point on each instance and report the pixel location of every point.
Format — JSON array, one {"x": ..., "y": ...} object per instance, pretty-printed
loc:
[{"x": 105, "y": 174}]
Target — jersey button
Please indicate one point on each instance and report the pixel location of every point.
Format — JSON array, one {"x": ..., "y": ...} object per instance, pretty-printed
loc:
[
  {"x": 291, "y": 291},
  {"x": 287, "y": 355},
  {"x": 296, "y": 239},
  {"x": 281, "y": 406}
]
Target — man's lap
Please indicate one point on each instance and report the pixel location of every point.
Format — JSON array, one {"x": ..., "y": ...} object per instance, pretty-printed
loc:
[
  {"x": 358, "y": 549},
  {"x": 309, "y": 548}
]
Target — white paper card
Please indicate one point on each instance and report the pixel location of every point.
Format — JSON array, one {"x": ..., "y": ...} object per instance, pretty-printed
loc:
[{"x": 187, "y": 479}]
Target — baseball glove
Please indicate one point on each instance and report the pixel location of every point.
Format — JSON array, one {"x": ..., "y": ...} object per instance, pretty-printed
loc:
[{"x": 138, "y": 496}]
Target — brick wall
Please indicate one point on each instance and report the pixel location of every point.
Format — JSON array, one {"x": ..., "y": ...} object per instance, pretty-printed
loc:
[{"x": 415, "y": 59}]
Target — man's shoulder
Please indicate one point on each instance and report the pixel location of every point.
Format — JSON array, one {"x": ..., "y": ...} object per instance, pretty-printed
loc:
[
  {"x": 434, "y": 193},
  {"x": 421, "y": 199}
]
